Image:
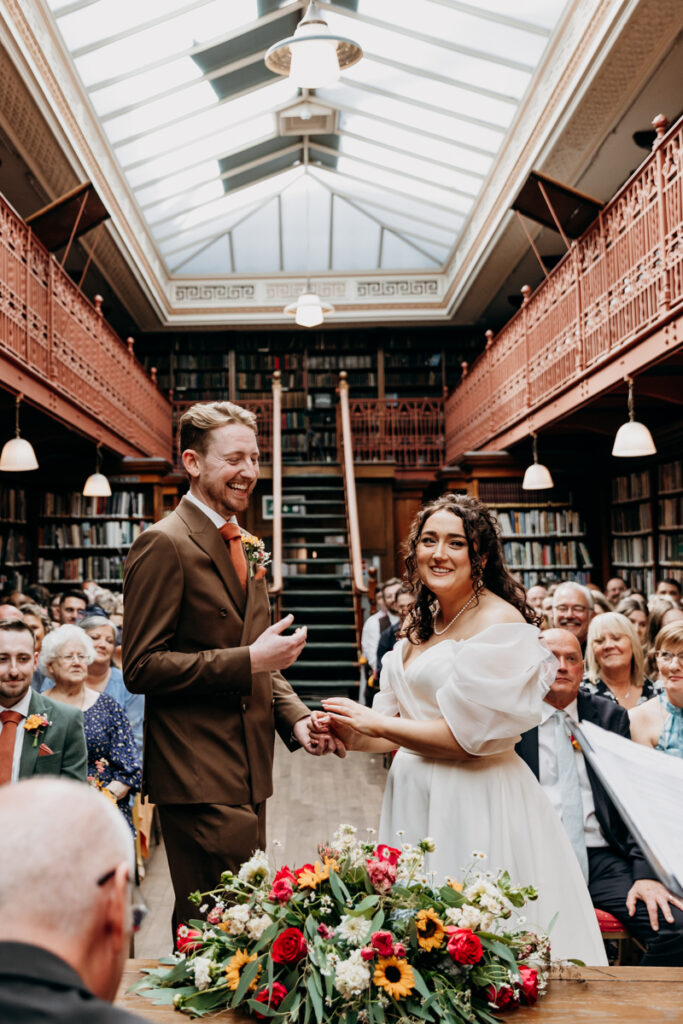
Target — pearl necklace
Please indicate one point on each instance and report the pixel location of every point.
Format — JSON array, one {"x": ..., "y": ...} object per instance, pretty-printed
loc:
[{"x": 440, "y": 632}]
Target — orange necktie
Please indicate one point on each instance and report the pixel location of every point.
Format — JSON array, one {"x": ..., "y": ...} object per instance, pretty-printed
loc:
[
  {"x": 232, "y": 535},
  {"x": 10, "y": 720}
]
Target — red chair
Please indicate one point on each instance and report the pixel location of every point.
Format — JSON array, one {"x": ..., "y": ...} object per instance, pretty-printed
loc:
[{"x": 612, "y": 930}]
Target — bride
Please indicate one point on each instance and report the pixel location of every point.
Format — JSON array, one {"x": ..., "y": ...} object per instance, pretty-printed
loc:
[{"x": 467, "y": 678}]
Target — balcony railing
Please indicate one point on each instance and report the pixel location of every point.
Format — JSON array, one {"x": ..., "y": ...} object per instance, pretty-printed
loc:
[
  {"x": 618, "y": 283},
  {"x": 406, "y": 431},
  {"x": 58, "y": 349}
]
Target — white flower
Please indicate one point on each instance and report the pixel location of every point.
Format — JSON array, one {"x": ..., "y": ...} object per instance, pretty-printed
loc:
[
  {"x": 427, "y": 845},
  {"x": 255, "y": 870},
  {"x": 478, "y": 855},
  {"x": 353, "y": 930},
  {"x": 202, "y": 973},
  {"x": 236, "y": 918},
  {"x": 465, "y": 916},
  {"x": 257, "y": 925},
  {"x": 352, "y": 976}
]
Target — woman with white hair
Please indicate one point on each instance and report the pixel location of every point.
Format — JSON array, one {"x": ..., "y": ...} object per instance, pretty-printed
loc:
[
  {"x": 615, "y": 661},
  {"x": 113, "y": 762},
  {"x": 105, "y": 677}
]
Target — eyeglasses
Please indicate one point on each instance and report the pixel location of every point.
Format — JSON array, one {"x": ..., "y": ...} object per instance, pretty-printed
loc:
[
  {"x": 138, "y": 910},
  {"x": 575, "y": 609},
  {"x": 72, "y": 657},
  {"x": 668, "y": 656}
]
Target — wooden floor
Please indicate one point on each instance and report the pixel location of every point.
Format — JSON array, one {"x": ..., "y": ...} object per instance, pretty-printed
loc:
[{"x": 312, "y": 796}]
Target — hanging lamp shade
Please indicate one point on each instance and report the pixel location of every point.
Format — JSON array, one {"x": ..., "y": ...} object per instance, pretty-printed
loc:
[
  {"x": 17, "y": 455},
  {"x": 633, "y": 439},
  {"x": 309, "y": 310},
  {"x": 97, "y": 485},
  {"x": 537, "y": 477},
  {"x": 313, "y": 57}
]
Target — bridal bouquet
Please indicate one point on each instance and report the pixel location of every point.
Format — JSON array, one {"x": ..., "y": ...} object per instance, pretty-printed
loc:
[{"x": 360, "y": 937}]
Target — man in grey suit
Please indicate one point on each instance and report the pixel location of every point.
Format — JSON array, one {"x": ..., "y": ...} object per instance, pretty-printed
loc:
[{"x": 37, "y": 735}]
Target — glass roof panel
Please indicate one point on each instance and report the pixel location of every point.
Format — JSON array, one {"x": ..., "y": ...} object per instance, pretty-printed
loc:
[
  {"x": 545, "y": 13},
  {"x": 414, "y": 165},
  {"x": 211, "y": 259},
  {"x": 306, "y": 205},
  {"x": 145, "y": 86},
  {"x": 256, "y": 242},
  {"x": 399, "y": 254},
  {"x": 355, "y": 237}
]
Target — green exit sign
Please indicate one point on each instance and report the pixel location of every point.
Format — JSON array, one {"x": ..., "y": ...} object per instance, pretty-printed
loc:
[{"x": 293, "y": 505}]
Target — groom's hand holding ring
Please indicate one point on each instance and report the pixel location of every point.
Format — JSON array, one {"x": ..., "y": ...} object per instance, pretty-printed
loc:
[{"x": 272, "y": 651}]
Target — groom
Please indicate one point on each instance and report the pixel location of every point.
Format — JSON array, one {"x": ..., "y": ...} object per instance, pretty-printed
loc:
[{"x": 197, "y": 642}]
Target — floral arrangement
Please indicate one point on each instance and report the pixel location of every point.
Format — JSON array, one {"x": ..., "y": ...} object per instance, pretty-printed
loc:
[
  {"x": 360, "y": 937},
  {"x": 256, "y": 555},
  {"x": 96, "y": 781},
  {"x": 36, "y": 724}
]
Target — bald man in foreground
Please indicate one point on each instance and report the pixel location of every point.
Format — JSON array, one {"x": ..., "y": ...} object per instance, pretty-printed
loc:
[{"x": 66, "y": 859}]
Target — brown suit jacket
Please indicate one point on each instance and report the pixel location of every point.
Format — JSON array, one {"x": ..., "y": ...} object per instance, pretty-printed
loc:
[{"x": 209, "y": 722}]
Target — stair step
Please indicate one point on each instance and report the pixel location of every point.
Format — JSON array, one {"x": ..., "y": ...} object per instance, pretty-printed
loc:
[
  {"x": 306, "y": 577},
  {"x": 302, "y": 609},
  {"x": 314, "y": 561},
  {"x": 327, "y": 664},
  {"x": 311, "y": 501},
  {"x": 319, "y": 645},
  {"x": 315, "y": 546},
  {"x": 305, "y": 531}
]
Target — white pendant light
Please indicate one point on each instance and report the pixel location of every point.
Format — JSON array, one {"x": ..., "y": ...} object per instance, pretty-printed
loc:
[
  {"x": 313, "y": 57},
  {"x": 17, "y": 454},
  {"x": 633, "y": 439},
  {"x": 537, "y": 477},
  {"x": 97, "y": 485},
  {"x": 309, "y": 310}
]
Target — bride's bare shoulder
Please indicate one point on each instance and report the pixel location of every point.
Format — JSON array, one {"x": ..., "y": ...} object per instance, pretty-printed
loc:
[{"x": 494, "y": 610}]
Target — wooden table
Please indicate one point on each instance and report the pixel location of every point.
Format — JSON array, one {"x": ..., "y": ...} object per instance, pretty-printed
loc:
[{"x": 627, "y": 995}]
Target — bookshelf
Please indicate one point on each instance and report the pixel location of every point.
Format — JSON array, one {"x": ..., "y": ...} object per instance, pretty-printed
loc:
[
  {"x": 670, "y": 519},
  {"x": 632, "y": 543},
  {"x": 544, "y": 542},
  {"x": 15, "y": 540}
]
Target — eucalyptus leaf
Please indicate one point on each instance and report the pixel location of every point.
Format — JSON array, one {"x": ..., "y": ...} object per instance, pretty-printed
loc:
[{"x": 316, "y": 998}]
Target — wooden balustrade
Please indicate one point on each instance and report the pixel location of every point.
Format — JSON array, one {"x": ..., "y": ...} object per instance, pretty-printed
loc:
[
  {"x": 58, "y": 350},
  {"x": 346, "y": 457},
  {"x": 406, "y": 431},
  {"x": 620, "y": 282},
  {"x": 276, "y": 426}
]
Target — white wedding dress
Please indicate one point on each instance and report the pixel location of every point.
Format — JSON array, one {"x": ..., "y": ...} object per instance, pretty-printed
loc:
[{"x": 489, "y": 689}]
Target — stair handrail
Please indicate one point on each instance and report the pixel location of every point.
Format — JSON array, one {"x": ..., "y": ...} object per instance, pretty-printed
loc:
[
  {"x": 346, "y": 443},
  {"x": 275, "y": 588}
]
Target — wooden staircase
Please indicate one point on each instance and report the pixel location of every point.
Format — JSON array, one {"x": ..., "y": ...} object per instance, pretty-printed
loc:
[{"x": 317, "y": 584}]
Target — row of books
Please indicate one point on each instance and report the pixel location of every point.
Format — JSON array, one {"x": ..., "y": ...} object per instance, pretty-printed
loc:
[
  {"x": 14, "y": 548},
  {"x": 113, "y": 534},
  {"x": 121, "y": 503},
  {"x": 430, "y": 380},
  {"x": 632, "y": 518},
  {"x": 531, "y": 577},
  {"x": 210, "y": 361},
  {"x": 671, "y": 476},
  {"x": 671, "y": 547},
  {"x": 106, "y": 570},
  {"x": 293, "y": 420},
  {"x": 12, "y": 504},
  {"x": 268, "y": 361},
  {"x": 632, "y": 549},
  {"x": 540, "y": 521},
  {"x": 642, "y": 580},
  {"x": 336, "y": 362},
  {"x": 200, "y": 380},
  {"x": 671, "y": 511},
  {"x": 634, "y": 485},
  {"x": 532, "y": 554}
]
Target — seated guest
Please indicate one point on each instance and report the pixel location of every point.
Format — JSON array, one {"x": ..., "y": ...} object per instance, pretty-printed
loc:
[
  {"x": 659, "y": 722},
  {"x": 10, "y": 612},
  {"x": 616, "y": 663},
  {"x": 113, "y": 760},
  {"x": 635, "y": 610},
  {"x": 614, "y": 590},
  {"x": 663, "y": 612},
  {"x": 104, "y": 677},
  {"x": 65, "y": 890},
  {"x": 72, "y": 605},
  {"x": 600, "y": 603},
  {"x": 37, "y": 737},
  {"x": 620, "y": 880},
  {"x": 39, "y": 595},
  {"x": 405, "y": 603},
  {"x": 39, "y": 624},
  {"x": 535, "y": 596},
  {"x": 53, "y": 608},
  {"x": 669, "y": 588},
  {"x": 573, "y": 609}
]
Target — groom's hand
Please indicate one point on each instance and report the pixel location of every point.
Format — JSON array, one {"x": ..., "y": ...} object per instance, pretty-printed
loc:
[
  {"x": 316, "y": 741},
  {"x": 272, "y": 651}
]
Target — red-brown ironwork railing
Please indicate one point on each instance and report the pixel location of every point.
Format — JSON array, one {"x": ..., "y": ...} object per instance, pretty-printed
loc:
[
  {"x": 56, "y": 347},
  {"x": 406, "y": 431},
  {"x": 620, "y": 281},
  {"x": 262, "y": 409}
]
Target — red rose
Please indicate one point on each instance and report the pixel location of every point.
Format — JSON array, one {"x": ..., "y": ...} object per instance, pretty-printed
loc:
[
  {"x": 282, "y": 891},
  {"x": 390, "y": 853},
  {"x": 272, "y": 998},
  {"x": 529, "y": 985},
  {"x": 399, "y": 950},
  {"x": 289, "y": 947},
  {"x": 464, "y": 947},
  {"x": 186, "y": 939},
  {"x": 284, "y": 873},
  {"x": 367, "y": 953},
  {"x": 383, "y": 942},
  {"x": 504, "y": 998}
]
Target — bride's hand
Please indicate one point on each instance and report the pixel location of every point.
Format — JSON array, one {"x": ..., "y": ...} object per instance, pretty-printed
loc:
[{"x": 345, "y": 713}]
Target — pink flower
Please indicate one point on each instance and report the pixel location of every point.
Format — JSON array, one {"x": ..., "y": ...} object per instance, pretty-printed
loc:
[
  {"x": 382, "y": 874},
  {"x": 326, "y": 932},
  {"x": 367, "y": 953},
  {"x": 529, "y": 980},
  {"x": 383, "y": 942},
  {"x": 282, "y": 891},
  {"x": 399, "y": 949},
  {"x": 214, "y": 916}
]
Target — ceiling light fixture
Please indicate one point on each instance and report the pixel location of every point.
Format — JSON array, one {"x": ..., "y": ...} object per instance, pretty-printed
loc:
[
  {"x": 313, "y": 57},
  {"x": 97, "y": 485},
  {"x": 18, "y": 455},
  {"x": 632, "y": 439},
  {"x": 537, "y": 477},
  {"x": 309, "y": 310}
]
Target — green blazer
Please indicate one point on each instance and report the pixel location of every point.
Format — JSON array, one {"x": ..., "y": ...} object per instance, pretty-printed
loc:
[{"x": 64, "y": 736}]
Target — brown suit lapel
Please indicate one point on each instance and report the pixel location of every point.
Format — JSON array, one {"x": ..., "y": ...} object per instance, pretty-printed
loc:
[{"x": 206, "y": 536}]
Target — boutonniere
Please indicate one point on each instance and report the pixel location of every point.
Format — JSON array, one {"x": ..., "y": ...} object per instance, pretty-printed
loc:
[
  {"x": 575, "y": 743},
  {"x": 256, "y": 555},
  {"x": 36, "y": 724}
]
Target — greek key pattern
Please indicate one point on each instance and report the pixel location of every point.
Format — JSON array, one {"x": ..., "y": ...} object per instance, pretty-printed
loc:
[
  {"x": 398, "y": 289},
  {"x": 289, "y": 291},
  {"x": 221, "y": 292}
]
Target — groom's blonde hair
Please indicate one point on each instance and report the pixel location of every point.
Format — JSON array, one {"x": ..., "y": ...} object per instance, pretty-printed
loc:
[{"x": 199, "y": 419}]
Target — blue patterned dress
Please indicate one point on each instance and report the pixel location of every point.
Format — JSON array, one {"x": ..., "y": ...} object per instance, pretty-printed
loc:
[
  {"x": 109, "y": 739},
  {"x": 671, "y": 738}
]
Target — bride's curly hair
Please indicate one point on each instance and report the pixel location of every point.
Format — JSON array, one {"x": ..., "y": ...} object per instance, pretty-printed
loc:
[{"x": 486, "y": 559}]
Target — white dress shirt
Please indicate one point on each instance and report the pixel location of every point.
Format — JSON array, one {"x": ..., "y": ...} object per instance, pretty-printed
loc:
[
  {"x": 549, "y": 779},
  {"x": 369, "y": 639},
  {"x": 22, "y": 708},
  {"x": 215, "y": 517}
]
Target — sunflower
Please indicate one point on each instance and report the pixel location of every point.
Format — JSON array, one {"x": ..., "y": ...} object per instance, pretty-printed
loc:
[
  {"x": 394, "y": 976},
  {"x": 430, "y": 929},
  {"x": 233, "y": 971}
]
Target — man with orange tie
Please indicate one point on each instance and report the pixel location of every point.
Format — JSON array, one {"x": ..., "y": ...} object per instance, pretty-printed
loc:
[
  {"x": 197, "y": 642},
  {"x": 38, "y": 736}
]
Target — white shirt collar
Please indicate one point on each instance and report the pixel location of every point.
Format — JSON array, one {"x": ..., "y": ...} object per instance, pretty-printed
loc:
[
  {"x": 22, "y": 706},
  {"x": 215, "y": 517},
  {"x": 572, "y": 711}
]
